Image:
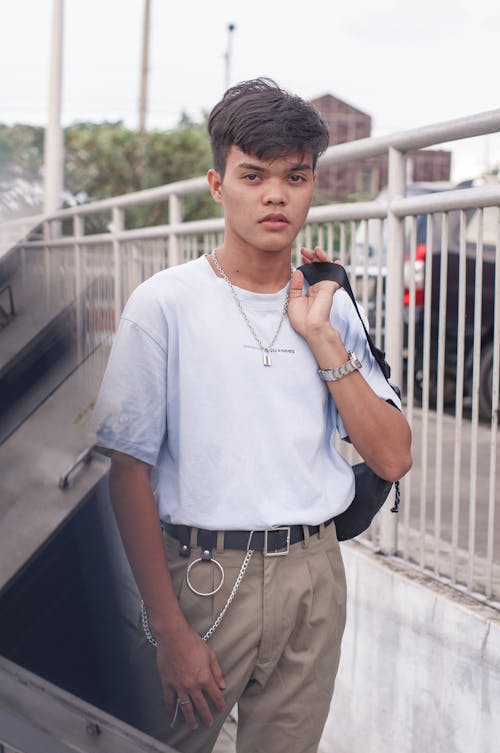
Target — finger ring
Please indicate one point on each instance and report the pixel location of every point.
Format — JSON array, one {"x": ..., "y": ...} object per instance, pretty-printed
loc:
[{"x": 178, "y": 704}]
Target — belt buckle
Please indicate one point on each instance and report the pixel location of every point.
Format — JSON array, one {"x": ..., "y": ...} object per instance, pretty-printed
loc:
[{"x": 267, "y": 553}]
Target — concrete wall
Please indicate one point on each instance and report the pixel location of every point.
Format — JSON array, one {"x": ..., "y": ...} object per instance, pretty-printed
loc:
[{"x": 420, "y": 669}]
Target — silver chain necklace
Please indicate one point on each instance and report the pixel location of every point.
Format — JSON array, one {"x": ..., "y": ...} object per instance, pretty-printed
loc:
[{"x": 265, "y": 349}]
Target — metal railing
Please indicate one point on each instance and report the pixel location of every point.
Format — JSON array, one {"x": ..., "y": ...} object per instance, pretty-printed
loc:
[{"x": 441, "y": 330}]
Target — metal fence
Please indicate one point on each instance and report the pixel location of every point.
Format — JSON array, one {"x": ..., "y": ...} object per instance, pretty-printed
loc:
[{"x": 425, "y": 268}]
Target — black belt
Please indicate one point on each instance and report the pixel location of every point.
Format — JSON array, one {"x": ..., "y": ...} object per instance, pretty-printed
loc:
[{"x": 273, "y": 542}]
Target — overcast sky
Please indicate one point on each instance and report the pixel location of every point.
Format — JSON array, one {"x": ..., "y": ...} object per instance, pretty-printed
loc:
[{"x": 406, "y": 63}]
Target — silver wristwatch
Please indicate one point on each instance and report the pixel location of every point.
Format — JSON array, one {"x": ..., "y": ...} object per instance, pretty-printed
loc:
[{"x": 333, "y": 375}]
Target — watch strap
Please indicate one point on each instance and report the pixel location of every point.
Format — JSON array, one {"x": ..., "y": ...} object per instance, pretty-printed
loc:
[{"x": 333, "y": 375}]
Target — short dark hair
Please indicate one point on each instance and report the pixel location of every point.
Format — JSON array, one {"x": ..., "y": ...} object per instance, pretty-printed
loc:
[{"x": 262, "y": 119}]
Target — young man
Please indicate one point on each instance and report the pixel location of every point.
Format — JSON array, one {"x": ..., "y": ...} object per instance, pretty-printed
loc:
[{"x": 222, "y": 429}]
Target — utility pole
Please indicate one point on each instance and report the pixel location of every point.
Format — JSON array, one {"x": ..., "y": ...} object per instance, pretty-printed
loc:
[
  {"x": 228, "y": 56},
  {"x": 54, "y": 144},
  {"x": 143, "y": 94}
]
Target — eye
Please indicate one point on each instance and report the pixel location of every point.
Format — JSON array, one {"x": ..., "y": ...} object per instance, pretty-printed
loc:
[
  {"x": 296, "y": 178},
  {"x": 251, "y": 177}
]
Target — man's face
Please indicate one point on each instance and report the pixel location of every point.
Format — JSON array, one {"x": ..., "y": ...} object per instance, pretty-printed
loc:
[{"x": 265, "y": 201}]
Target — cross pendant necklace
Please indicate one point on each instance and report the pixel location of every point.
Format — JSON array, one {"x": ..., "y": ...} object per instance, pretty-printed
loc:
[{"x": 265, "y": 349}]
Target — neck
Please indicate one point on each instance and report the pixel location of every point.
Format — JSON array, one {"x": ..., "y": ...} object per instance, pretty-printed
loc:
[{"x": 258, "y": 271}]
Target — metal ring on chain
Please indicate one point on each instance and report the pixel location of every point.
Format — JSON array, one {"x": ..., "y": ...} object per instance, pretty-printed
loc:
[
  {"x": 145, "y": 622},
  {"x": 208, "y": 593}
]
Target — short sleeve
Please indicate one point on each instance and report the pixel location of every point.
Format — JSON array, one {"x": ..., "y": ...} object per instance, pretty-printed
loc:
[
  {"x": 345, "y": 319},
  {"x": 130, "y": 413}
]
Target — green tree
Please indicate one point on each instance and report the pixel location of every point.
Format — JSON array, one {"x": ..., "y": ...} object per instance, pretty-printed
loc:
[
  {"x": 101, "y": 160},
  {"x": 21, "y": 151},
  {"x": 108, "y": 159},
  {"x": 21, "y": 157}
]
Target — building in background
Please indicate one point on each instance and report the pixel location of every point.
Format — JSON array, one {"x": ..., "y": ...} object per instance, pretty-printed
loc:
[{"x": 365, "y": 178}]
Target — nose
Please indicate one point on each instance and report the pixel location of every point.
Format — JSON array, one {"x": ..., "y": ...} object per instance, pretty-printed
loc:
[{"x": 275, "y": 194}]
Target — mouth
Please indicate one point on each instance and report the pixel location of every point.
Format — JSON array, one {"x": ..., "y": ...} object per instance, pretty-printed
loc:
[{"x": 277, "y": 220}]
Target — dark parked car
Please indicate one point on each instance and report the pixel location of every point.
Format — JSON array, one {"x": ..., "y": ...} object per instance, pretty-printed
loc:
[
  {"x": 422, "y": 297},
  {"x": 486, "y": 288}
]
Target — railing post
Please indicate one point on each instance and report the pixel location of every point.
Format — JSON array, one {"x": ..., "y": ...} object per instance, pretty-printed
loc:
[
  {"x": 118, "y": 220},
  {"x": 174, "y": 218},
  {"x": 80, "y": 297},
  {"x": 394, "y": 311},
  {"x": 47, "y": 236}
]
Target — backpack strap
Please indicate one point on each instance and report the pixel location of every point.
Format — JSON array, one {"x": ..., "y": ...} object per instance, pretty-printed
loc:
[{"x": 317, "y": 271}]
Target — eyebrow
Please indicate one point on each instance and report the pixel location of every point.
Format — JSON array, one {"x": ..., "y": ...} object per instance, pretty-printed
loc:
[{"x": 261, "y": 169}]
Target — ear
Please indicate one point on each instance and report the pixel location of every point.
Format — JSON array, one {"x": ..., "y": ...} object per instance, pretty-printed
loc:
[{"x": 215, "y": 183}]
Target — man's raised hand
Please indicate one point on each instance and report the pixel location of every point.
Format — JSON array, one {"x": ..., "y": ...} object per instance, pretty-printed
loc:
[{"x": 310, "y": 314}]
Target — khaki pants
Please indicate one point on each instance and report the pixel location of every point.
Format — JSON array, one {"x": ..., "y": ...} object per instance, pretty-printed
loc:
[{"x": 278, "y": 645}]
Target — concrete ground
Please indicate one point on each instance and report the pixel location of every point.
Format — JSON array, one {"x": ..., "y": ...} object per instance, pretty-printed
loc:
[
  {"x": 447, "y": 521},
  {"x": 227, "y": 738}
]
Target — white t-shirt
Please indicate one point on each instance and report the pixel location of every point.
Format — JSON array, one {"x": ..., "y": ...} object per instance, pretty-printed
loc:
[{"x": 235, "y": 444}]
